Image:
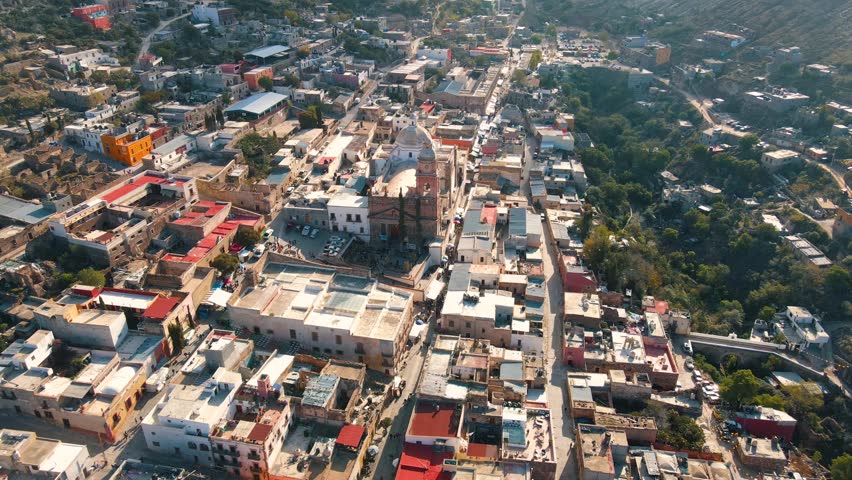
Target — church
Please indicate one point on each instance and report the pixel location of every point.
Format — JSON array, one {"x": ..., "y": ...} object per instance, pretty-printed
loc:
[{"x": 416, "y": 179}]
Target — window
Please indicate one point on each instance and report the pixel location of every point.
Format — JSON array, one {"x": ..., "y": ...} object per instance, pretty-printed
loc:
[
  {"x": 315, "y": 336},
  {"x": 462, "y": 258},
  {"x": 348, "y": 217},
  {"x": 357, "y": 217},
  {"x": 410, "y": 155},
  {"x": 332, "y": 216},
  {"x": 327, "y": 350},
  {"x": 269, "y": 331},
  {"x": 204, "y": 448},
  {"x": 156, "y": 444},
  {"x": 338, "y": 340},
  {"x": 339, "y": 352},
  {"x": 177, "y": 450},
  {"x": 467, "y": 324},
  {"x": 292, "y": 334},
  {"x": 481, "y": 259},
  {"x": 192, "y": 445},
  {"x": 452, "y": 324}
]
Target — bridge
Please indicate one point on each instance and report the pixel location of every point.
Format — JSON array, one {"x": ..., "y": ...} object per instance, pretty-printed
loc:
[{"x": 716, "y": 346}]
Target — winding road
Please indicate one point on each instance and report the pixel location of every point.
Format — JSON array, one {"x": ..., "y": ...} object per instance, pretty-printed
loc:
[{"x": 146, "y": 43}]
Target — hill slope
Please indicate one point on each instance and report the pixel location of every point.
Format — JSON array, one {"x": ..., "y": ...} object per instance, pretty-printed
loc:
[{"x": 820, "y": 27}]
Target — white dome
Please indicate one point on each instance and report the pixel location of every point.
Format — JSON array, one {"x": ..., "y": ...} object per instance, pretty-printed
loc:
[{"x": 413, "y": 136}]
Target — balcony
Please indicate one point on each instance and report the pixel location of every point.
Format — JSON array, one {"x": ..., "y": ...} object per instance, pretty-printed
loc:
[
  {"x": 256, "y": 469},
  {"x": 253, "y": 456}
]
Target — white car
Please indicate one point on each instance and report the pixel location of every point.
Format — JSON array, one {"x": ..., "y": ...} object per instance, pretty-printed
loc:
[
  {"x": 314, "y": 233},
  {"x": 306, "y": 231}
]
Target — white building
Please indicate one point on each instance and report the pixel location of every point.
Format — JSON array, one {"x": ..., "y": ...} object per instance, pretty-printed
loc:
[
  {"x": 29, "y": 353},
  {"x": 440, "y": 55},
  {"x": 94, "y": 328},
  {"x": 554, "y": 138},
  {"x": 34, "y": 457},
  {"x": 349, "y": 213},
  {"x": 806, "y": 328},
  {"x": 346, "y": 316},
  {"x": 180, "y": 425},
  {"x": 88, "y": 134},
  {"x": 778, "y": 159},
  {"x": 73, "y": 61}
]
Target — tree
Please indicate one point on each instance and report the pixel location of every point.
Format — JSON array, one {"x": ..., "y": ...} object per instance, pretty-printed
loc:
[
  {"x": 386, "y": 423},
  {"x": 670, "y": 236},
  {"x": 767, "y": 400},
  {"x": 307, "y": 119},
  {"x": 303, "y": 52},
  {"x": 176, "y": 337},
  {"x": 317, "y": 109},
  {"x": 766, "y": 313},
  {"x": 739, "y": 388},
  {"x": 246, "y": 237},
  {"x": 265, "y": 83},
  {"x": 841, "y": 467},
  {"x": 225, "y": 263},
  {"x": 597, "y": 247},
  {"x": 800, "y": 401},
  {"x": 30, "y": 130},
  {"x": 91, "y": 277}
]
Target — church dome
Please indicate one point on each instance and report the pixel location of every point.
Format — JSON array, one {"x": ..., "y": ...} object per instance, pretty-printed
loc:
[
  {"x": 427, "y": 154},
  {"x": 413, "y": 137}
]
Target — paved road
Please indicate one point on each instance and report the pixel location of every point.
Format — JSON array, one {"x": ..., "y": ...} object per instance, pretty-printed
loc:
[{"x": 146, "y": 43}]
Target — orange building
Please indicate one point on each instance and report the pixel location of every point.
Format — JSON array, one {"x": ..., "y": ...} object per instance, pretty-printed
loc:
[
  {"x": 664, "y": 55},
  {"x": 253, "y": 76},
  {"x": 126, "y": 148}
]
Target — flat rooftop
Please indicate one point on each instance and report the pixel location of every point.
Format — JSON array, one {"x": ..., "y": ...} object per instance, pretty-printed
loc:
[{"x": 435, "y": 419}]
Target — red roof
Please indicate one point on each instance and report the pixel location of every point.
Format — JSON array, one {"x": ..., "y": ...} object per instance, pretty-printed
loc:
[
  {"x": 422, "y": 462},
  {"x": 660, "y": 307},
  {"x": 351, "y": 435},
  {"x": 204, "y": 245},
  {"x": 433, "y": 419},
  {"x": 138, "y": 183},
  {"x": 489, "y": 215},
  {"x": 260, "y": 432},
  {"x": 160, "y": 307},
  {"x": 482, "y": 450}
]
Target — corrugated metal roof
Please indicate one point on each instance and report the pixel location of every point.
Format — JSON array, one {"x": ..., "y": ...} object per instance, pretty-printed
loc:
[
  {"x": 266, "y": 52},
  {"x": 257, "y": 104}
]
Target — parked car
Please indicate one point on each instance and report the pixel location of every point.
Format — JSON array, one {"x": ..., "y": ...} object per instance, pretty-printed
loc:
[
  {"x": 258, "y": 251},
  {"x": 266, "y": 233},
  {"x": 687, "y": 347},
  {"x": 314, "y": 233},
  {"x": 306, "y": 231}
]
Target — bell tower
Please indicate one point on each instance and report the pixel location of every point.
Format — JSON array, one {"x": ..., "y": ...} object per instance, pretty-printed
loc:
[{"x": 427, "y": 174}]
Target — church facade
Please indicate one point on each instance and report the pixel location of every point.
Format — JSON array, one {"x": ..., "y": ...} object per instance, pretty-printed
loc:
[{"x": 415, "y": 183}]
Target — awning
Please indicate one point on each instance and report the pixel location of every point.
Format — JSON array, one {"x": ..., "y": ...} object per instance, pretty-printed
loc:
[
  {"x": 435, "y": 289},
  {"x": 416, "y": 331},
  {"x": 217, "y": 297}
]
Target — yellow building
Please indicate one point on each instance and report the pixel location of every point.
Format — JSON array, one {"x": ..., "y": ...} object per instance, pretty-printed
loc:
[{"x": 126, "y": 148}]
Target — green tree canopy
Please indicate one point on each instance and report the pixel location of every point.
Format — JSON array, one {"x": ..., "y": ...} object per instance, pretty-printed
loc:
[
  {"x": 246, "y": 237},
  {"x": 225, "y": 263},
  {"x": 91, "y": 277},
  {"x": 739, "y": 388},
  {"x": 841, "y": 467}
]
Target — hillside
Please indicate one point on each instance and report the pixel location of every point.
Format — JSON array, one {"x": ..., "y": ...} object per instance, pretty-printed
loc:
[{"x": 819, "y": 27}]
